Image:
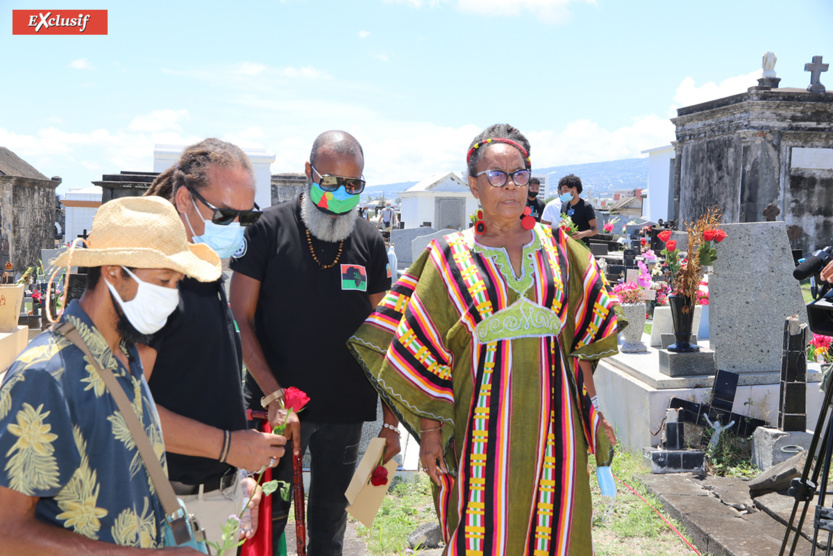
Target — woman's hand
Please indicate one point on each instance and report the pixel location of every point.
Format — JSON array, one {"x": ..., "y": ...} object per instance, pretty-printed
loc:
[
  {"x": 430, "y": 453},
  {"x": 607, "y": 428}
]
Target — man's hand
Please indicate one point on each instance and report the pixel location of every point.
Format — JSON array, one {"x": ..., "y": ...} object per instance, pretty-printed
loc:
[
  {"x": 826, "y": 273},
  {"x": 277, "y": 417},
  {"x": 253, "y": 450}
]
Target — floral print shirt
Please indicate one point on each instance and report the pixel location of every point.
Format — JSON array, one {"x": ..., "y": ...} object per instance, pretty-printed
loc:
[{"x": 64, "y": 440}]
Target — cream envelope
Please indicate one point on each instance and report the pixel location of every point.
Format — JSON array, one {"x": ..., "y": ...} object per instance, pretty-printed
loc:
[{"x": 364, "y": 498}]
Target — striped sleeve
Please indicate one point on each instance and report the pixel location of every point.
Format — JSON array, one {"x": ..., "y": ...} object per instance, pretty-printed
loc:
[{"x": 401, "y": 347}]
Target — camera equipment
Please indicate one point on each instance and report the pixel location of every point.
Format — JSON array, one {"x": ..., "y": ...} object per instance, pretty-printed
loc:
[
  {"x": 820, "y": 320},
  {"x": 813, "y": 264}
]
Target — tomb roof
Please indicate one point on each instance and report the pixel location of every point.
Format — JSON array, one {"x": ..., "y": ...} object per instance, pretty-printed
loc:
[{"x": 14, "y": 166}]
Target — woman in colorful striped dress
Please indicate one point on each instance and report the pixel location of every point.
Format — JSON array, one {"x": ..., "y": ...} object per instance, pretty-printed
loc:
[{"x": 485, "y": 349}]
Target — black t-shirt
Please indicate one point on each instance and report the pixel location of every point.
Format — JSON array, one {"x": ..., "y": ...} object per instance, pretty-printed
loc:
[
  {"x": 537, "y": 206},
  {"x": 305, "y": 314},
  {"x": 581, "y": 213},
  {"x": 198, "y": 371}
]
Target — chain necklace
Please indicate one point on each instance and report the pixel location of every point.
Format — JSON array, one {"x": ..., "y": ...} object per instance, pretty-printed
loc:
[{"x": 315, "y": 257}]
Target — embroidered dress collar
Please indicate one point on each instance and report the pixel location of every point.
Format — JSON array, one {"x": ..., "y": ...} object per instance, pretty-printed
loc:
[{"x": 501, "y": 258}]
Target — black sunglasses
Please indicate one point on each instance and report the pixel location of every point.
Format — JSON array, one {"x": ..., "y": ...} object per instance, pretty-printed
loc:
[
  {"x": 353, "y": 186},
  {"x": 225, "y": 216}
]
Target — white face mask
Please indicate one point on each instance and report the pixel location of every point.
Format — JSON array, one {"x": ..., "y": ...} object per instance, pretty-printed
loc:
[{"x": 149, "y": 310}]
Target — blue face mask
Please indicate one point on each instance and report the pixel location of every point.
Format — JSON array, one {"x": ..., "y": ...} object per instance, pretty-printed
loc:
[
  {"x": 565, "y": 197},
  {"x": 225, "y": 240}
]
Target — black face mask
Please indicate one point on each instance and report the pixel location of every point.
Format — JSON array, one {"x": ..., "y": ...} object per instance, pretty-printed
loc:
[{"x": 532, "y": 194}]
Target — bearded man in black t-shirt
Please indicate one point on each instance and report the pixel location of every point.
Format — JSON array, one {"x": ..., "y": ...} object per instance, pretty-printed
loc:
[{"x": 308, "y": 275}]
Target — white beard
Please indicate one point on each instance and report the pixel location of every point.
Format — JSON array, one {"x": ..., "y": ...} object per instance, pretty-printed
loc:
[{"x": 326, "y": 227}]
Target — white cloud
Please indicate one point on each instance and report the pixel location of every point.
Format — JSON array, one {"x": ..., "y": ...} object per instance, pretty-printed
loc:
[
  {"x": 308, "y": 72},
  {"x": 158, "y": 120},
  {"x": 364, "y": 34},
  {"x": 688, "y": 93},
  {"x": 249, "y": 68},
  {"x": 381, "y": 56},
  {"x": 549, "y": 11},
  {"x": 81, "y": 64}
]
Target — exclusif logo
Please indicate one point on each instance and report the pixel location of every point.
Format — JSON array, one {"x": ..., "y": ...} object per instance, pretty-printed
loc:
[{"x": 59, "y": 22}]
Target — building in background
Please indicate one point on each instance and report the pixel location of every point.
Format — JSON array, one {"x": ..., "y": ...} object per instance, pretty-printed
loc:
[{"x": 441, "y": 201}]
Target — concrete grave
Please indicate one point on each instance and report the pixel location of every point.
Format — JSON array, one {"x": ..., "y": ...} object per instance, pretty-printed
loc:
[
  {"x": 419, "y": 244},
  {"x": 401, "y": 240},
  {"x": 752, "y": 292}
]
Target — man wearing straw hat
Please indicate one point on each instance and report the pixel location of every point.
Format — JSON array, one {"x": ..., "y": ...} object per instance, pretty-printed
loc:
[{"x": 73, "y": 479}]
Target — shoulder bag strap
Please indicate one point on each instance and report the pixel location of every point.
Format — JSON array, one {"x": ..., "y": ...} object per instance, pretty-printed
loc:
[{"x": 160, "y": 481}]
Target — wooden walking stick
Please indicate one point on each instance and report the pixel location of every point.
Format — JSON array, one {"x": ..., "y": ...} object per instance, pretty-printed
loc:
[{"x": 298, "y": 496}]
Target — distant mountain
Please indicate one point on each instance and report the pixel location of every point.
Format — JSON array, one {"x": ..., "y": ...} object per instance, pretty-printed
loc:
[
  {"x": 391, "y": 190},
  {"x": 599, "y": 178}
]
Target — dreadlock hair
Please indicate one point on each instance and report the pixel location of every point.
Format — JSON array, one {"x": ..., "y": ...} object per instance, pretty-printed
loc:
[
  {"x": 191, "y": 169},
  {"x": 502, "y": 131},
  {"x": 571, "y": 180}
]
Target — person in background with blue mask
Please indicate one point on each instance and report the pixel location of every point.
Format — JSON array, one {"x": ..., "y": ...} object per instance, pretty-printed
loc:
[
  {"x": 311, "y": 272},
  {"x": 194, "y": 364},
  {"x": 552, "y": 211},
  {"x": 579, "y": 210}
]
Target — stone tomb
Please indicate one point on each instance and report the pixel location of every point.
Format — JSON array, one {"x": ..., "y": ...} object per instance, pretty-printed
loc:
[
  {"x": 752, "y": 292},
  {"x": 402, "y": 243},
  {"x": 419, "y": 244}
]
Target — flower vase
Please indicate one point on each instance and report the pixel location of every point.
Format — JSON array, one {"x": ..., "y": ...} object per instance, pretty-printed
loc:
[
  {"x": 682, "y": 317},
  {"x": 632, "y": 335}
]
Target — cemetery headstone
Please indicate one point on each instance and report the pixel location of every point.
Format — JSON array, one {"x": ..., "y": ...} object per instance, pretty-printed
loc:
[
  {"x": 402, "y": 239},
  {"x": 752, "y": 291},
  {"x": 419, "y": 244}
]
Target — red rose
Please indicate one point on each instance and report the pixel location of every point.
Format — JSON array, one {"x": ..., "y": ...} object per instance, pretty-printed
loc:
[
  {"x": 643, "y": 241},
  {"x": 379, "y": 476},
  {"x": 36, "y": 295},
  {"x": 719, "y": 235},
  {"x": 295, "y": 399},
  {"x": 708, "y": 235},
  {"x": 671, "y": 245},
  {"x": 664, "y": 236}
]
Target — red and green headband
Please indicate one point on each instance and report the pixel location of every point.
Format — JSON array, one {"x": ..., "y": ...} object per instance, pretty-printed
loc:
[{"x": 498, "y": 140}]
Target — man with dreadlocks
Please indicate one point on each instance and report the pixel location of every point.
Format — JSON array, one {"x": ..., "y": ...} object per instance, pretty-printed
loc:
[
  {"x": 194, "y": 364},
  {"x": 309, "y": 273}
]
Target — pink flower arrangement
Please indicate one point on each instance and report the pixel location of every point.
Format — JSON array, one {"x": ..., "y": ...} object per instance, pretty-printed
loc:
[
  {"x": 819, "y": 349},
  {"x": 629, "y": 292},
  {"x": 608, "y": 227}
]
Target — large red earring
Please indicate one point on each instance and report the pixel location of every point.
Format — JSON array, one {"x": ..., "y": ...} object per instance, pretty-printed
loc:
[
  {"x": 479, "y": 225},
  {"x": 527, "y": 221}
]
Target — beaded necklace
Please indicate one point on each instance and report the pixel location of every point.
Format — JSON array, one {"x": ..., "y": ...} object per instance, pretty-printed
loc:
[{"x": 315, "y": 257}]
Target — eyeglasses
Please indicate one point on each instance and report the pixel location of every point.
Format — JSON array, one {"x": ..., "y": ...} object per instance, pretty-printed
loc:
[
  {"x": 353, "y": 186},
  {"x": 498, "y": 178},
  {"x": 225, "y": 216}
]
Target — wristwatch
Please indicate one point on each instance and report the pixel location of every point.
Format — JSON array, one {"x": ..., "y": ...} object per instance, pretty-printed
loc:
[{"x": 266, "y": 400}]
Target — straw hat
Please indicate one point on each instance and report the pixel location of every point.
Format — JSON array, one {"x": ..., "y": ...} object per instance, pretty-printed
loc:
[{"x": 143, "y": 232}]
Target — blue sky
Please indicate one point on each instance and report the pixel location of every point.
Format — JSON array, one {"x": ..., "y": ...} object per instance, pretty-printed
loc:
[{"x": 413, "y": 80}]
